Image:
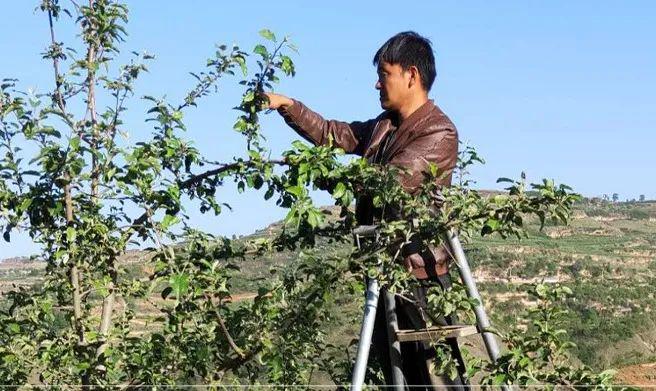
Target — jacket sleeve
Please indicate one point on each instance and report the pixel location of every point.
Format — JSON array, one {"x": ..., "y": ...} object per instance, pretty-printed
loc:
[{"x": 351, "y": 137}]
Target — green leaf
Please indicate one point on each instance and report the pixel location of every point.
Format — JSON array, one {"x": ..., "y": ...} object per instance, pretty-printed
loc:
[
  {"x": 14, "y": 328},
  {"x": 82, "y": 366},
  {"x": 269, "y": 193},
  {"x": 433, "y": 169},
  {"x": 255, "y": 155},
  {"x": 71, "y": 234},
  {"x": 257, "y": 182},
  {"x": 300, "y": 145},
  {"x": 499, "y": 379},
  {"x": 315, "y": 218},
  {"x": 340, "y": 188},
  {"x": 541, "y": 290},
  {"x": 75, "y": 143},
  {"x": 608, "y": 373},
  {"x": 296, "y": 190},
  {"x": 179, "y": 284},
  {"x": 168, "y": 221},
  {"x": 249, "y": 97},
  {"x": 287, "y": 66},
  {"x": 292, "y": 217},
  {"x": 494, "y": 224},
  {"x": 242, "y": 64},
  {"x": 267, "y": 34},
  {"x": 25, "y": 204},
  {"x": 262, "y": 51},
  {"x": 240, "y": 125}
]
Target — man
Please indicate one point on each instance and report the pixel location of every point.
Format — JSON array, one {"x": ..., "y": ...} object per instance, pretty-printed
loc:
[{"x": 411, "y": 133}]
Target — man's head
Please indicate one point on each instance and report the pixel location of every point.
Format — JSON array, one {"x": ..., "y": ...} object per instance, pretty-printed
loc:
[{"x": 406, "y": 69}]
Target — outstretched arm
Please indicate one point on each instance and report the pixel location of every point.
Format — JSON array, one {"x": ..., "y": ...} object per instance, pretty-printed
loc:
[{"x": 351, "y": 137}]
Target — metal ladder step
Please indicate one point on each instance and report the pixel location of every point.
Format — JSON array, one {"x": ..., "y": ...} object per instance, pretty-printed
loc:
[{"x": 435, "y": 333}]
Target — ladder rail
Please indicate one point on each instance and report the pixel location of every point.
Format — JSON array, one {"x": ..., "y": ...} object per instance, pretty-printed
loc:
[
  {"x": 366, "y": 332},
  {"x": 393, "y": 342},
  {"x": 368, "y": 317},
  {"x": 482, "y": 320}
]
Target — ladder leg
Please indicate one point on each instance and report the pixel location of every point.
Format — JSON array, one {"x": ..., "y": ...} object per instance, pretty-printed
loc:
[
  {"x": 482, "y": 321},
  {"x": 366, "y": 332},
  {"x": 394, "y": 345}
]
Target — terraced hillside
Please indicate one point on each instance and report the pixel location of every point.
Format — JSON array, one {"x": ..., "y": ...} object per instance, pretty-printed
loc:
[{"x": 607, "y": 256}]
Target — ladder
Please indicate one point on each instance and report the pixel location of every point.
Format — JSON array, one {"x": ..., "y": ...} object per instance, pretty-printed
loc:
[{"x": 397, "y": 336}]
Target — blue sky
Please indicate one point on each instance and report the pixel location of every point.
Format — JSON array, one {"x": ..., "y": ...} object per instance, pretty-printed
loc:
[{"x": 558, "y": 89}]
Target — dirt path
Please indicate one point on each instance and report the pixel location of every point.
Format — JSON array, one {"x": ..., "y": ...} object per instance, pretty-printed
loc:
[
  {"x": 641, "y": 375},
  {"x": 242, "y": 296}
]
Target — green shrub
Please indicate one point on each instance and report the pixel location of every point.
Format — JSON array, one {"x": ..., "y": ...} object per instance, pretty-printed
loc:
[{"x": 638, "y": 214}]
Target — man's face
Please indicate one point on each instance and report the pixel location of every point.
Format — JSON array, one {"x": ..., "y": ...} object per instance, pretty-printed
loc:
[{"x": 393, "y": 84}]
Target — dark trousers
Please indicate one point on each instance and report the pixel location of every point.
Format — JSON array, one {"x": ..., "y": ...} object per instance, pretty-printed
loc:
[{"x": 417, "y": 356}]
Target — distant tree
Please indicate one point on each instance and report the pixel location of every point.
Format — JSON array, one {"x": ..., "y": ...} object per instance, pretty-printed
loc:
[
  {"x": 616, "y": 197},
  {"x": 642, "y": 198}
]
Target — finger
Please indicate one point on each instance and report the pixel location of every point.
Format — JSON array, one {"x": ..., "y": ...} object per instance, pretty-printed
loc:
[{"x": 407, "y": 262}]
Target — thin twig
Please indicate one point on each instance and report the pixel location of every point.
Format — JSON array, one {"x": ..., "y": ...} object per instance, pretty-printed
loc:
[{"x": 58, "y": 81}]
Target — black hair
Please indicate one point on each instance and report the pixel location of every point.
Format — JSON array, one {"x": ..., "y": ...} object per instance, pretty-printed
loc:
[{"x": 407, "y": 49}]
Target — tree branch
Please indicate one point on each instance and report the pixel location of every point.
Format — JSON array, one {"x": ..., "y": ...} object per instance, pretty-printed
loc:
[
  {"x": 68, "y": 199},
  {"x": 74, "y": 272},
  {"x": 239, "y": 361},
  {"x": 197, "y": 178},
  {"x": 139, "y": 221},
  {"x": 226, "y": 333},
  {"x": 91, "y": 109}
]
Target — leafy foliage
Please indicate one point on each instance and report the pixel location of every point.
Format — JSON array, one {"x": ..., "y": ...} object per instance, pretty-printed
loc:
[
  {"x": 537, "y": 352},
  {"x": 76, "y": 188}
]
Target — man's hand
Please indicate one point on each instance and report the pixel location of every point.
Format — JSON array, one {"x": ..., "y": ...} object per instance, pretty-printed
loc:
[
  {"x": 413, "y": 261},
  {"x": 277, "y": 101}
]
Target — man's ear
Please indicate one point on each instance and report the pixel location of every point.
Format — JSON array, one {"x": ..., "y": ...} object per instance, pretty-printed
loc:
[{"x": 415, "y": 77}]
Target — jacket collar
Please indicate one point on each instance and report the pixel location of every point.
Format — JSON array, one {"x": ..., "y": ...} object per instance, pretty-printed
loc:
[
  {"x": 407, "y": 129},
  {"x": 421, "y": 112},
  {"x": 402, "y": 132}
]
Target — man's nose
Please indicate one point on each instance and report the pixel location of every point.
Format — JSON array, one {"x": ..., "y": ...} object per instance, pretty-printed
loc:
[{"x": 378, "y": 86}]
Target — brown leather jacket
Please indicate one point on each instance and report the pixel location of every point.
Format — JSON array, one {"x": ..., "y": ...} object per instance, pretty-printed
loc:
[{"x": 427, "y": 135}]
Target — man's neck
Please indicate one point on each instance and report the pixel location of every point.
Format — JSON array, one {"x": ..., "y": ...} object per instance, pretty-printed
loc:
[{"x": 411, "y": 106}]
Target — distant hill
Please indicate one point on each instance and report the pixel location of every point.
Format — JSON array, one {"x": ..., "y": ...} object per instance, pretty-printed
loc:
[{"x": 16, "y": 260}]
